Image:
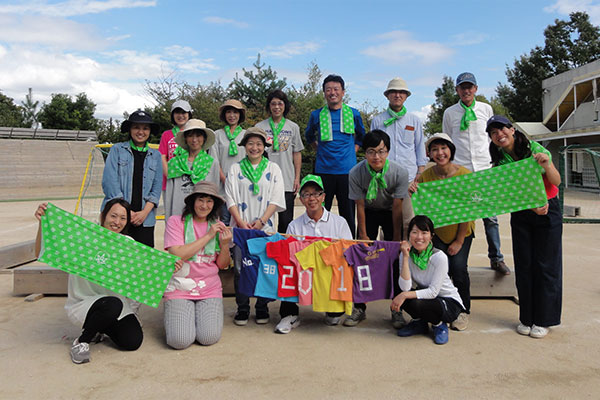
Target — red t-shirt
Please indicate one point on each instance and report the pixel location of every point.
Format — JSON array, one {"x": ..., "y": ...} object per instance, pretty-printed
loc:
[{"x": 287, "y": 279}]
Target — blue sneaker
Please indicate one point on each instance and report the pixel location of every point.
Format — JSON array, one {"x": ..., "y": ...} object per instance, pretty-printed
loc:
[
  {"x": 414, "y": 327},
  {"x": 440, "y": 333}
]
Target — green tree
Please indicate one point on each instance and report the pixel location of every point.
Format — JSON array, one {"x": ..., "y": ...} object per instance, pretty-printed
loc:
[
  {"x": 64, "y": 113},
  {"x": 568, "y": 44},
  {"x": 11, "y": 115},
  {"x": 30, "y": 110},
  {"x": 445, "y": 96},
  {"x": 109, "y": 131}
]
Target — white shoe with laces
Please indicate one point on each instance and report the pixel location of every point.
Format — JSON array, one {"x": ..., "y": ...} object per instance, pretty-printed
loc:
[
  {"x": 523, "y": 329},
  {"x": 287, "y": 324},
  {"x": 80, "y": 352},
  {"x": 538, "y": 332}
]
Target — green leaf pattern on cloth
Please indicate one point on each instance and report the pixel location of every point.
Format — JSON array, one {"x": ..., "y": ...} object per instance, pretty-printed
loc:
[
  {"x": 500, "y": 190},
  {"x": 111, "y": 260}
]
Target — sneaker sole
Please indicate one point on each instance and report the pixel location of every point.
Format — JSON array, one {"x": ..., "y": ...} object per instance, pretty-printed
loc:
[
  {"x": 286, "y": 332},
  {"x": 458, "y": 328},
  {"x": 240, "y": 322},
  {"x": 262, "y": 321},
  {"x": 80, "y": 361},
  {"x": 352, "y": 322}
]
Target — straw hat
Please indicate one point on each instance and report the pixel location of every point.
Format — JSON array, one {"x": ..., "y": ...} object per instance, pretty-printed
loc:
[
  {"x": 396, "y": 84},
  {"x": 233, "y": 104},
  {"x": 204, "y": 187},
  {"x": 254, "y": 131},
  {"x": 191, "y": 125}
]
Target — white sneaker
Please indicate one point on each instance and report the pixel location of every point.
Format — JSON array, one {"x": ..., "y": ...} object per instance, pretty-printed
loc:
[
  {"x": 461, "y": 322},
  {"x": 538, "y": 332},
  {"x": 523, "y": 329},
  {"x": 287, "y": 324},
  {"x": 80, "y": 352}
]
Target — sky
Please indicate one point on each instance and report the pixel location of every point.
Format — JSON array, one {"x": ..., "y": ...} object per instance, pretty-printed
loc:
[{"x": 109, "y": 49}]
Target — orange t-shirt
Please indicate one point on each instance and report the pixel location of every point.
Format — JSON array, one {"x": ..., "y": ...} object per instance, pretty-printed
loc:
[{"x": 343, "y": 274}]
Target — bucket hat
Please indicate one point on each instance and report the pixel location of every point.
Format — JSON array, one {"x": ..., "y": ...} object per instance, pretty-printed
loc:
[
  {"x": 254, "y": 131},
  {"x": 204, "y": 187},
  {"x": 193, "y": 124},
  {"x": 396, "y": 84},
  {"x": 139, "y": 117},
  {"x": 236, "y": 104}
]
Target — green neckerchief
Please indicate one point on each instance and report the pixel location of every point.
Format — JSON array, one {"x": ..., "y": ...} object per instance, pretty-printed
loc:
[
  {"x": 175, "y": 130},
  {"x": 346, "y": 122},
  {"x": 421, "y": 259},
  {"x": 143, "y": 149},
  {"x": 395, "y": 116},
  {"x": 178, "y": 165},
  {"x": 468, "y": 116},
  {"x": 253, "y": 174},
  {"x": 377, "y": 180},
  {"x": 111, "y": 260},
  {"x": 233, "y": 147},
  {"x": 276, "y": 130},
  {"x": 535, "y": 148},
  {"x": 190, "y": 236}
]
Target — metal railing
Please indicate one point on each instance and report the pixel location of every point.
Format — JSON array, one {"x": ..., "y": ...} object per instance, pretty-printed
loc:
[{"x": 46, "y": 134}]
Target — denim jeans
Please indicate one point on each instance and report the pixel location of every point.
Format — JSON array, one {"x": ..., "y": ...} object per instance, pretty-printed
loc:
[
  {"x": 492, "y": 235},
  {"x": 457, "y": 268}
]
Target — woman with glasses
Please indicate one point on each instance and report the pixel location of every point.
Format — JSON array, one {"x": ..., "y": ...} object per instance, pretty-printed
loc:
[{"x": 285, "y": 150}]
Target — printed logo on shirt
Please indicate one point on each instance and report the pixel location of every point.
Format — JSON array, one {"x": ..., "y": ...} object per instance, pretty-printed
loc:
[
  {"x": 101, "y": 257},
  {"x": 373, "y": 254}
]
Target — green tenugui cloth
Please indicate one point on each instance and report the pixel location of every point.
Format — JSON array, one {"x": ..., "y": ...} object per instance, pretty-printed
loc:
[
  {"x": 111, "y": 260},
  {"x": 508, "y": 188}
]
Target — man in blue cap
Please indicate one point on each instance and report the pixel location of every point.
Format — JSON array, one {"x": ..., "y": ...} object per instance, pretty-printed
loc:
[{"x": 465, "y": 123}]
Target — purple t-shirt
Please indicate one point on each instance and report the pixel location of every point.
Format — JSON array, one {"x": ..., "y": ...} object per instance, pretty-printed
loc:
[
  {"x": 373, "y": 270},
  {"x": 250, "y": 263}
]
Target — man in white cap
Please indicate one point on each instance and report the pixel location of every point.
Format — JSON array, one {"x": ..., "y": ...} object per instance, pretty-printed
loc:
[
  {"x": 465, "y": 122},
  {"x": 405, "y": 130}
]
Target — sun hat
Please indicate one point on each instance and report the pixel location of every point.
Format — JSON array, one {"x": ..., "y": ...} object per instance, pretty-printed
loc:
[
  {"x": 236, "y": 104},
  {"x": 191, "y": 125},
  {"x": 254, "y": 131},
  {"x": 396, "y": 84},
  {"x": 139, "y": 117},
  {"x": 497, "y": 120},
  {"x": 311, "y": 178},
  {"x": 204, "y": 187},
  {"x": 466, "y": 77},
  {"x": 438, "y": 136}
]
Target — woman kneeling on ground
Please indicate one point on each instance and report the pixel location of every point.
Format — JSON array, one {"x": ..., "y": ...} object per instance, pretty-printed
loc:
[
  {"x": 435, "y": 300},
  {"x": 194, "y": 297},
  {"x": 98, "y": 310}
]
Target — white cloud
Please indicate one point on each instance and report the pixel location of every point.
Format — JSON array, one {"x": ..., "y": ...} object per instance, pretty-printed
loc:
[
  {"x": 401, "y": 48},
  {"x": 423, "y": 112},
  {"x": 290, "y": 49},
  {"x": 469, "y": 38},
  {"x": 56, "y": 32},
  {"x": 565, "y": 7},
  {"x": 72, "y": 7},
  {"x": 224, "y": 21}
]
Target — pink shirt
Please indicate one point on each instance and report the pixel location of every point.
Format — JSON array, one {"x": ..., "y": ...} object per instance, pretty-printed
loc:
[
  {"x": 195, "y": 280},
  {"x": 166, "y": 148},
  {"x": 305, "y": 276}
]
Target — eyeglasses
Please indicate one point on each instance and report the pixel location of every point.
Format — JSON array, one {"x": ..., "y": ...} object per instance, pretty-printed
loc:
[
  {"x": 310, "y": 195},
  {"x": 277, "y": 103},
  {"x": 372, "y": 153}
]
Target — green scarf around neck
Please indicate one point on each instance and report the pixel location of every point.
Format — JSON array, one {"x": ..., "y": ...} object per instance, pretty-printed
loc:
[
  {"x": 276, "y": 130},
  {"x": 178, "y": 165},
  {"x": 253, "y": 174},
  {"x": 377, "y": 180},
  {"x": 143, "y": 148},
  {"x": 346, "y": 122},
  {"x": 421, "y": 259},
  {"x": 395, "y": 115},
  {"x": 233, "y": 147},
  {"x": 190, "y": 236},
  {"x": 468, "y": 116}
]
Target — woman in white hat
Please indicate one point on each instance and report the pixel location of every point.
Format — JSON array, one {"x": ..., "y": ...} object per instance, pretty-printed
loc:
[
  {"x": 194, "y": 296},
  {"x": 254, "y": 191},
  {"x": 189, "y": 165},
  {"x": 454, "y": 240},
  {"x": 181, "y": 112},
  {"x": 285, "y": 150}
]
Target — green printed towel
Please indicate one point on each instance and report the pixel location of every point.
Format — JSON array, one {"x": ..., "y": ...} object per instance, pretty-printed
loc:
[
  {"x": 111, "y": 260},
  {"x": 508, "y": 188}
]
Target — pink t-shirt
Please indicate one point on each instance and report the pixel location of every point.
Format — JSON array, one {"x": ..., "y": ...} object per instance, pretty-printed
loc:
[
  {"x": 166, "y": 147},
  {"x": 305, "y": 276},
  {"x": 195, "y": 280}
]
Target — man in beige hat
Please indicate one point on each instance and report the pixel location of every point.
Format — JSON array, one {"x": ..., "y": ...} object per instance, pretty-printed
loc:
[{"x": 405, "y": 130}]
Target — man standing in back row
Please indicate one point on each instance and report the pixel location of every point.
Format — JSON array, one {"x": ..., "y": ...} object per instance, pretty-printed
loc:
[
  {"x": 336, "y": 131},
  {"x": 465, "y": 123}
]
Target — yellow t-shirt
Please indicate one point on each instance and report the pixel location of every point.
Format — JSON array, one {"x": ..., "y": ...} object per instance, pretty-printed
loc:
[
  {"x": 322, "y": 276},
  {"x": 448, "y": 233}
]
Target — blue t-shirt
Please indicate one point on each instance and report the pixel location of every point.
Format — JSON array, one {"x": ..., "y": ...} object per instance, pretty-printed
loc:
[
  {"x": 266, "y": 282},
  {"x": 336, "y": 156},
  {"x": 249, "y": 267}
]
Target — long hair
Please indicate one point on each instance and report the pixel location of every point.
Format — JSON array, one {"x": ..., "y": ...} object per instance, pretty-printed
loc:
[
  {"x": 109, "y": 205},
  {"x": 522, "y": 148},
  {"x": 214, "y": 214}
]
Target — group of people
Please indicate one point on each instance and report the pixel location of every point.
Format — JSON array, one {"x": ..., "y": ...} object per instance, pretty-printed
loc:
[{"x": 213, "y": 181}]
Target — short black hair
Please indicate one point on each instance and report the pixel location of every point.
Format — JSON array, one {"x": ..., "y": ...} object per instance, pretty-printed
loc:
[
  {"x": 422, "y": 222},
  {"x": 450, "y": 145},
  {"x": 179, "y": 108},
  {"x": 124, "y": 203},
  {"x": 374, "y": 138},
  {"x": 278, "y": 94},
  {"x": 189, "y": 201},
  {"x": 334, "y": 78},
  {"x": 195, "y": 132}
]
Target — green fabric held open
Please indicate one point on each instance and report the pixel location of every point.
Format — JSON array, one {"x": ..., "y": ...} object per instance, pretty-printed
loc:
[
  {"x": 500, "y": 190},
  {"x": 111, "y": 260}
]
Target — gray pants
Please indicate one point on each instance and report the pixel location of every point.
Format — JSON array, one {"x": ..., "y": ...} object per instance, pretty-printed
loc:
[{"x": 190, "y": 320}]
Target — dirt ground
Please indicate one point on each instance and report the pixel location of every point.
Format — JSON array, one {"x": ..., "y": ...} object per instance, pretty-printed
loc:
[{"x": 487, "y": 361}]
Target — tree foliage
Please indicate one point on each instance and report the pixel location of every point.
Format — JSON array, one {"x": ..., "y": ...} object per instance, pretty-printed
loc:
[
  {"x": 64, "y": 113},
  {"x": 30, "y": 110},
  {"x": 568, "y": 44},
  {"x": 11, "y": 115}
]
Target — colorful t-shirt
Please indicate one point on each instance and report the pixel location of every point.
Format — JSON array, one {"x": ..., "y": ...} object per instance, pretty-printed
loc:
[
  {"x": 167, "y": 147},
  {"x": 305, "y": 276},
  {"x": 322, "y": 275},
  {"x": 250, "y": 263},
  {"x": 266, "y": 282},
  {"x": 287, "y": 281},
  {"x": 343, "y": 274},
  {"x": 373, "y": 270},
  {"x": 195, "y": 280}
]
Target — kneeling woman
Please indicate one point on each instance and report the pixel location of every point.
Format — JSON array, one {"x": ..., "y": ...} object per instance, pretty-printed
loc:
[
  {"x": 99, "y": 310},
  {"x": 194, "y": 297},
  {"x": 435, "y": 300}
]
